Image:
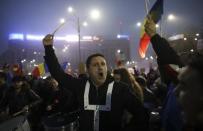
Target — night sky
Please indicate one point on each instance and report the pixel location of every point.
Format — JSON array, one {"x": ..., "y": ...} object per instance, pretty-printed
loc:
[{"x": 117, "y": 16}]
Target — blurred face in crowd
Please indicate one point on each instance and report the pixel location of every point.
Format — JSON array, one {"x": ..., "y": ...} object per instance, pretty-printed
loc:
[
  {"x": 18, "y": 84},
  {"x": 54, "y": 84},
  {"x": 97, "y": 70},
  {"x": 190, "y": 93}
]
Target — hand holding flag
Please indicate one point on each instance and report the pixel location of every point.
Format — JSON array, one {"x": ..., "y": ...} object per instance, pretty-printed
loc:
[
  {"x": 150, "y": 27},
  {"x": 155, "y": 14}
]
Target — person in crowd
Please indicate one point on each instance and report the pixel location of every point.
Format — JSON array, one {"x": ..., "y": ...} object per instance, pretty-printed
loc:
[
  {"x": 152, "y": 75},
  {"x": 150, "y": 100},
  {"x": 59, "y": 98},
  {"x": 189, "y": 92},
  {"x": 19, "y": 96},
  {"x": 3, "y": 89},
  {"x": 7, "y": 71},
  {"x": 3, "y": 85},
  {"x": 171, "y": 118},
  {"x": 136, "y": 72},
  {"x": 143, "y": 73},
  {"x": 101, "y": 100},
  {"x": 159, "y": 89},
  {"x": 188, "y": 81},
  {"x": 123, "y": 75}
]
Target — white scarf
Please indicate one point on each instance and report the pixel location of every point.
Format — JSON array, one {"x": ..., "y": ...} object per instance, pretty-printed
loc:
[{"x": 97, "y": 108}]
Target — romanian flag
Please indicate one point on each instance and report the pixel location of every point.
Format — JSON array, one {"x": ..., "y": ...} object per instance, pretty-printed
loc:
[
  {"x": 40, "y": 70},
  {"x": 156, "y": 13}
]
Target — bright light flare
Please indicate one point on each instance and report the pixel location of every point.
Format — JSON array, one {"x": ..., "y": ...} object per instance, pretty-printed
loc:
[
  {"x": 171, "y": 17},
  {"x": 85, "y": 24},
  {"x": 16, "y": 36},
  {"x": 24, "y": 60},
  {"x": 34, "y": 37},
  {"x": 95, "y": 14},
  {"x": 139, "y": 24},
  {"x": 62, "y": 20},
  {"x": 70, "y": 9}
]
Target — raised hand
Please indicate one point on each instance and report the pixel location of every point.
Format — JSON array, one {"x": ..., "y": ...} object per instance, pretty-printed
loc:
[
  {"x": 48, "y": 40},
  {"x": 150, "y": 27}
]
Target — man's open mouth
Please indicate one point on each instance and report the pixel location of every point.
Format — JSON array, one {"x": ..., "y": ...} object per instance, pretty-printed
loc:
[{"x": 101, "y": 74}]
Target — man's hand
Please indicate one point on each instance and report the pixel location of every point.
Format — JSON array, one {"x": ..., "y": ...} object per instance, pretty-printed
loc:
[
  {"x": 150, "y": 27},
  {"x": 48, "y": 40}
]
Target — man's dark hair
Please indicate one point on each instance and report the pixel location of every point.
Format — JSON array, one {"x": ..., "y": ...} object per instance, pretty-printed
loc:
[{"x": 89, "y": 59}]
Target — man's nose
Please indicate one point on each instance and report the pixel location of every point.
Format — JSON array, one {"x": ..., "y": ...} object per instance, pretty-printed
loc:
[{"x": 100, "y": 66}]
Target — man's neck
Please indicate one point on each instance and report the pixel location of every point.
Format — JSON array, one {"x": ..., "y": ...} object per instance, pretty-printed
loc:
[{"x": 96, "y": 84}]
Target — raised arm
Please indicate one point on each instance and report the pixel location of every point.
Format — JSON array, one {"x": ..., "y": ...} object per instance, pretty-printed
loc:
[
  {"x": 54, "y": 67},
  {"x": 165, "y": 53}
]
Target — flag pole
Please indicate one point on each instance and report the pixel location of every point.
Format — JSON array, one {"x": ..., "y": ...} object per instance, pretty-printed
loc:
[
  {"x": 146, "y": 6},
  {"x": 161, "y": 25},
  {"x": 59, "y": 26}
]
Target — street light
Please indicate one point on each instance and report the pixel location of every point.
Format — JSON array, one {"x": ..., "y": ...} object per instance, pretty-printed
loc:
[
  {"x": 139, "y": 24},
  {"x": 171, "y": 17},
  {"x": 85, "y": 24},
  {"x": 62, "y": 20},
  {"x": 118, "y": 51},
  {"x": 95, "y": 14},
  {"x": 70, "y": 9}
]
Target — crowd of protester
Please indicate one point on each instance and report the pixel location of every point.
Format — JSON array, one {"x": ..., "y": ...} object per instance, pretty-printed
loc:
[
  {"x": 45, "y": 97},
  {"x": 173, "y": 99}
]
